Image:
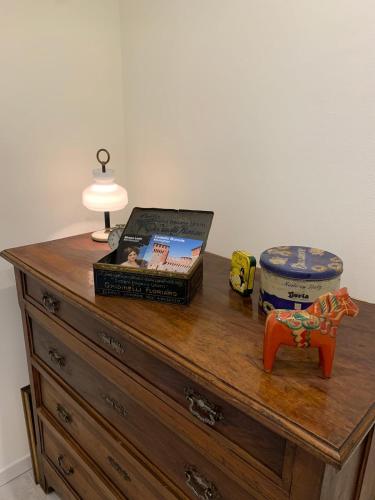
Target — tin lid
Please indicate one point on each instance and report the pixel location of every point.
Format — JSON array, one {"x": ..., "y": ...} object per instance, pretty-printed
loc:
[
  {"x": 193, "y": 224},
  {"x": 301, "y": 262}
]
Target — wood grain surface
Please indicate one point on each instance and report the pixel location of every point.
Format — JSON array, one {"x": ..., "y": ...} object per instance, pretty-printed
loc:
[{"x": 218, "y": 340}]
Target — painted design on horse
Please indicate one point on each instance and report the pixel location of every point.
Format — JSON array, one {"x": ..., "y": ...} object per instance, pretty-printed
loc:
[{"x": 315, "y": 326}]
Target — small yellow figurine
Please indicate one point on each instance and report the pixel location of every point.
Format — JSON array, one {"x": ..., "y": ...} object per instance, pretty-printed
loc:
[{"x": 242, "y": 272}]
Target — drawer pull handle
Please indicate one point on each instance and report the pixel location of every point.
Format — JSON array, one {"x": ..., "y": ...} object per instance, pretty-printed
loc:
[
  {"x": 112, "y": 343},
  {"x": 56, "y": 358},
  {"x": 63, "y": 414},
  {"x": 205, "y": 411},
  {"x": 115, "y": 405},
  {"x": 118, "y": 468},
  {"x": 66, "y": 470},
  {"x": 203, "y": 489},
  {"x": 50, "y": 303}
]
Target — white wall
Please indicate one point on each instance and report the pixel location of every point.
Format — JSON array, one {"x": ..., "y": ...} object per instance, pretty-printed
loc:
[
  {"x": 263, "y": 111},
  {"x": 60, "y": 100}
]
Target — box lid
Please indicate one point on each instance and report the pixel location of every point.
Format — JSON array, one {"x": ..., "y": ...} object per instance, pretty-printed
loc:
[
  {"x": 193, "y": 224},
  {"x": 301, "y": 262}
]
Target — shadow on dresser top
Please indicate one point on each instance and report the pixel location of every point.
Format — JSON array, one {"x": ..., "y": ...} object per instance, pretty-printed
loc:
[{"x": 218, "y": 339}]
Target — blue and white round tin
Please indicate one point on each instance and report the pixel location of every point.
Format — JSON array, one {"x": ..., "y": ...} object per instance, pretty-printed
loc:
[{"x": 293, "y": 277}]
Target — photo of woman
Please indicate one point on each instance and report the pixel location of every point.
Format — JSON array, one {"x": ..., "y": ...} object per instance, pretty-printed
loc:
[{"x": 131, "y": 256}]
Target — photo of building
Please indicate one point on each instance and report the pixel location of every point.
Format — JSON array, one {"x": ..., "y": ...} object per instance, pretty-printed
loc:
[{"x": 167, "y": 256}]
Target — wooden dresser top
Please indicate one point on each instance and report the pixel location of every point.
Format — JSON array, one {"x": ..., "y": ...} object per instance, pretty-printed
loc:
[{"x": 218, "y": 340}]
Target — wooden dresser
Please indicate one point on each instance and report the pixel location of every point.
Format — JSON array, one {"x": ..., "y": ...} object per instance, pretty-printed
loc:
[{"x": 143, "y": 400}]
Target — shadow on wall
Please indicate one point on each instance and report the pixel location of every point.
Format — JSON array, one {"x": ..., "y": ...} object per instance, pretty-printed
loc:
[
  {"x": 89, "y": 226},
  {"x": 78, "y": 228}
]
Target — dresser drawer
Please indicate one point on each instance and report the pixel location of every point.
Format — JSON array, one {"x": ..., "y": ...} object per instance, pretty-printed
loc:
[
  {"x": 72, "y": 467},
  {"x": 184, "y": 465},
  {"x": 216, "y": 414},
  {"x": 55, "y": 481},
  {"x": 128, "y": 474}
]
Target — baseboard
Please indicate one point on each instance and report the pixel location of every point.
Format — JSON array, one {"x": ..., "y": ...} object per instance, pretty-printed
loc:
[{"x": 15, "y": 469}]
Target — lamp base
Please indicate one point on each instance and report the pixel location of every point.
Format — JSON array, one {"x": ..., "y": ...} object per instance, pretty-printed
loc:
[{"x": 101, "y": 236}]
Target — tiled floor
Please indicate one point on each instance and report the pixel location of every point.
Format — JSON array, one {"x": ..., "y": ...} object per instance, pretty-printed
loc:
[{"x": 24, "y": 488}]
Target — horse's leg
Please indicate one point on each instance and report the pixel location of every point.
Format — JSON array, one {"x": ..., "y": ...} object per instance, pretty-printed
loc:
[
  {"x": 320, "y": 356},
  {"x": 269, "y": 356},
  {"x": 328, "y": 352},
  {"x": 270, "y": 347}
]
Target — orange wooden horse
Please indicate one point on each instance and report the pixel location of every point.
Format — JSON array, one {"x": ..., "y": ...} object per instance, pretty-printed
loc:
[{"x": 315, "y": 326}]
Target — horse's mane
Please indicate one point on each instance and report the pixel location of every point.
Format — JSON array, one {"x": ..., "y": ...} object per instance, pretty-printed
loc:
[{"x": 326, "y": 304}]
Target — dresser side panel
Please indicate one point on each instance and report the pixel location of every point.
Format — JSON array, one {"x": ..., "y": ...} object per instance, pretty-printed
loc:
[
  {"x": 343, "y": 484},
  {"x": 34, "y": 381},
  {"x": 307, "y": 476},
  {"x": 366, "y": 483}
]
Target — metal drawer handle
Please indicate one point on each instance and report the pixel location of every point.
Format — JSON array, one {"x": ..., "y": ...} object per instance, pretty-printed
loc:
[
  {"x": 66, "y": 470},
  {"x": 50, "y": 303},
  {"x": 56, "y": 358},
  {"x": 115, "y": 405},
  {"x": 118, "y": 468},
  {"x": 63, "y": 414},
  {"x": 204, "y": 489},
  {"x": 112, "y": 342},
  {"x": 205, "y": 411}
]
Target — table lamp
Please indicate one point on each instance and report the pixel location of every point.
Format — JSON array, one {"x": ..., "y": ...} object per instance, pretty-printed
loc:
[{"x": 103, "y": 195}]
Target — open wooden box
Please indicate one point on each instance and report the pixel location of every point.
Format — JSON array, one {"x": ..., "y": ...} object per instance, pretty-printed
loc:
[{"x": 174, "y": 287}]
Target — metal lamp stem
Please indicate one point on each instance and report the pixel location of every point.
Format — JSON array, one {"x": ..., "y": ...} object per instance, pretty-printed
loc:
[{"x": 107, "y": 222}]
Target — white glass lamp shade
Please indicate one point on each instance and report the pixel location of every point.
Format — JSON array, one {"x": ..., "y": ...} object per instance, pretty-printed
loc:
[{"x": 104, "y": 195}]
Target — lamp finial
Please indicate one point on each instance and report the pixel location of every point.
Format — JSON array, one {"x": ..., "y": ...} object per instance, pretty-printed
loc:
[{"x": 102, "y": 162}]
